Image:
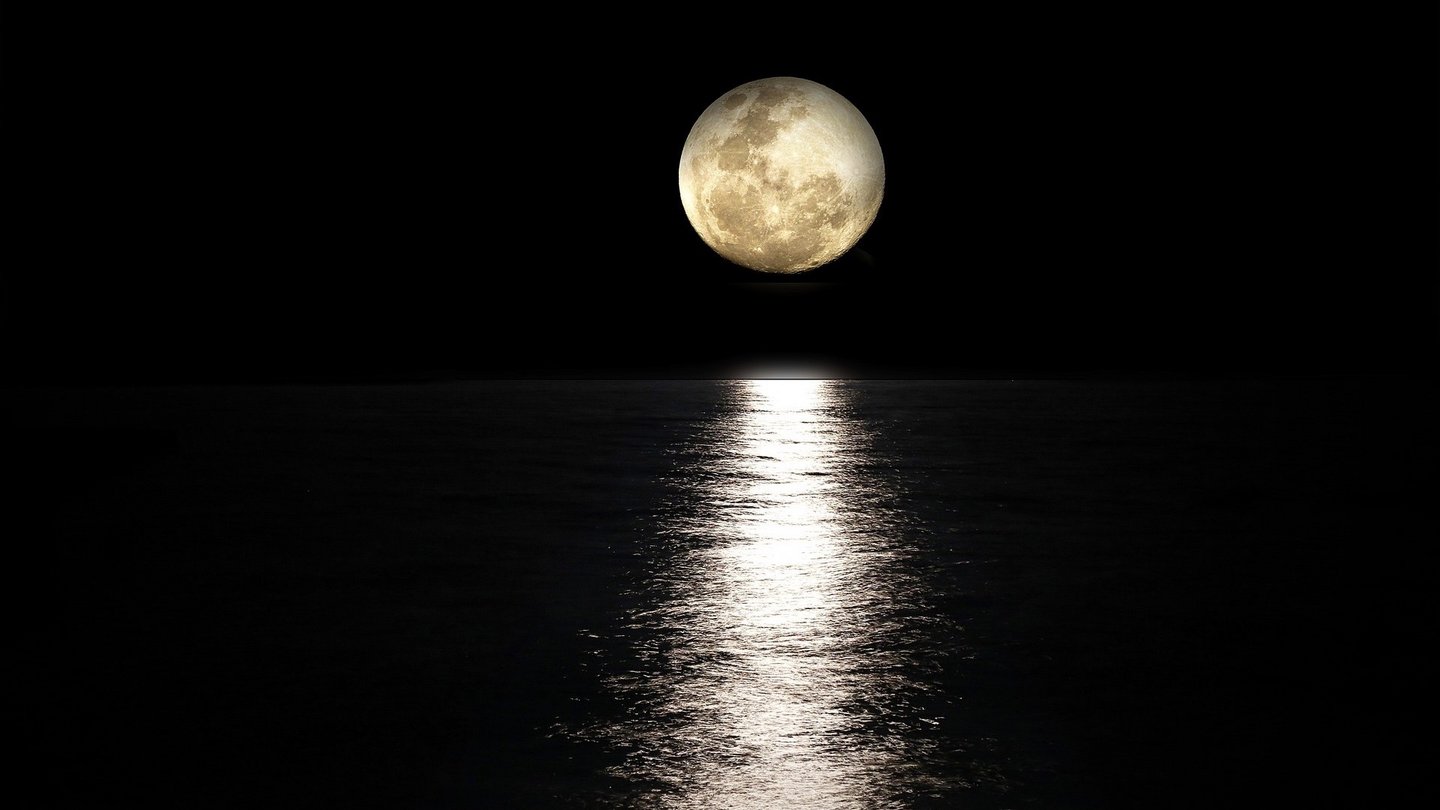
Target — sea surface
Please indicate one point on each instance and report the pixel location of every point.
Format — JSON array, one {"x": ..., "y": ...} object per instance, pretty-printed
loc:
[{"x": 726, "y": 593}]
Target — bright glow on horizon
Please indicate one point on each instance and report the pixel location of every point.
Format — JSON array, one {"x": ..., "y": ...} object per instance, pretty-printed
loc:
[{"x": 802, "y": 370}]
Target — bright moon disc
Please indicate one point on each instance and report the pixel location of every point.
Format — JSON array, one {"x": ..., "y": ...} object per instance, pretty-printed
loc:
[{"x": 781, "y": 175}]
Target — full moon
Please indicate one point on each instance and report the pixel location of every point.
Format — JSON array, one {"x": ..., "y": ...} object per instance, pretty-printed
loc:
[{"x": 781, "y": 175}]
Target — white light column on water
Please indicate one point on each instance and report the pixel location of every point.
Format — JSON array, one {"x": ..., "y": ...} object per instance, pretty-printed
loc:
[
  {"x": 781, "y": 175},
  {"x": 772, "y": 671}
]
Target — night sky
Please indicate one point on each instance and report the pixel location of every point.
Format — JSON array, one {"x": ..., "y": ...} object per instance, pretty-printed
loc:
[{"x": 315, "y": 193}]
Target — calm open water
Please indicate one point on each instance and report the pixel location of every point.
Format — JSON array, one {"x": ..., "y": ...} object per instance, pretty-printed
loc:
[{"x": 727, "y": 594}]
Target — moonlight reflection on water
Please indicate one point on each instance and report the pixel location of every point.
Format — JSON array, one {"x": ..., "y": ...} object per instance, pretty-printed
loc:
[{"x": 777, "y": 654}]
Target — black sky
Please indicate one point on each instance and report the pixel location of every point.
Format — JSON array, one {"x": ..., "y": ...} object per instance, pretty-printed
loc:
[{"x": 317, "y": 192}]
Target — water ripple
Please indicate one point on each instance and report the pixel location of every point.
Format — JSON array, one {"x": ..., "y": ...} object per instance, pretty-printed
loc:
[{"x": 778, "y": 650}]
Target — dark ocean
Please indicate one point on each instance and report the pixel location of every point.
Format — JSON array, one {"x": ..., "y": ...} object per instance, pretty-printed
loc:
[{"x": 726, "y": 594}]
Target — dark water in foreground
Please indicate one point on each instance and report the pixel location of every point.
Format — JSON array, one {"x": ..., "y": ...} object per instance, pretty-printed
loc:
[{"x": 758, "y": 594}]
